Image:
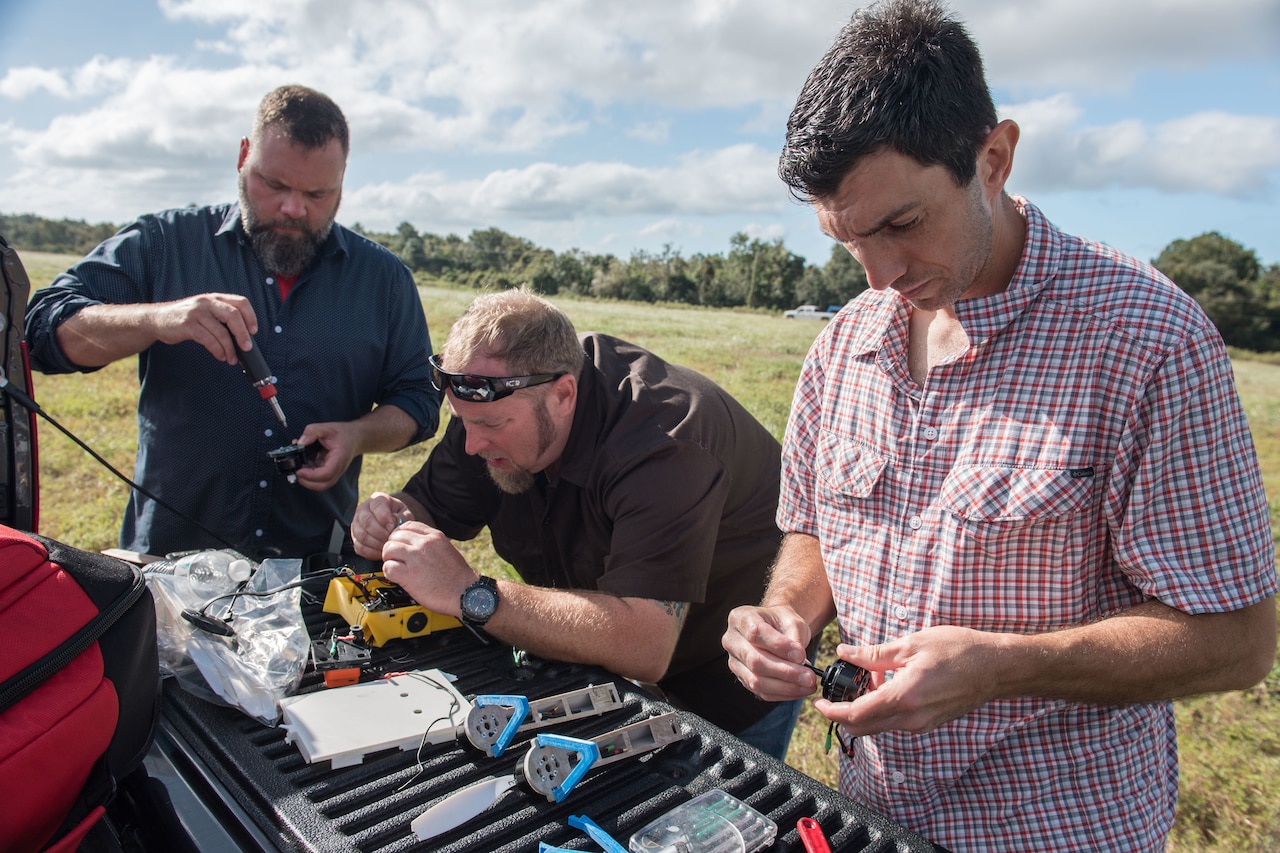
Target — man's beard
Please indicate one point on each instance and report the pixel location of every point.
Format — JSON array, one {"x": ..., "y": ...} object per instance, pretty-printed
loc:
[
  {"x": 282, "y": 254},
  {"x": 517, "y": 481}
]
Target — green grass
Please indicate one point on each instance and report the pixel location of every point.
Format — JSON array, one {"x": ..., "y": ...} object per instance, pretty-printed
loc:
[{"x": 1230, "y": 744}]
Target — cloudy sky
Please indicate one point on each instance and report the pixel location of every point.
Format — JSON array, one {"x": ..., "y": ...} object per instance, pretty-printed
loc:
[{"x": 613, "y": 127}]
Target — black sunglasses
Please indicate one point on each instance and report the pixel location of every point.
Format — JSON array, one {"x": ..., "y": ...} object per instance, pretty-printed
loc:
[{"x": 483, "y": 389}]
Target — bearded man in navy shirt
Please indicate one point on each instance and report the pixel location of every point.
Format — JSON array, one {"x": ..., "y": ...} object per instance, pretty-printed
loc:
[{"x": 336, "y": 317}]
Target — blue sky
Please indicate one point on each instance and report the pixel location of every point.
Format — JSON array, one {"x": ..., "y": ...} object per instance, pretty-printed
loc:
[{"x": 616, "y": 127}]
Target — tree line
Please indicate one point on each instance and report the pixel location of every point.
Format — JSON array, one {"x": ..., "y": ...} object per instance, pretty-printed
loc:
[
  {"x": 1239, "y": 293},
  {"x": 753, "y": 273},
  {"x": 27, "y": 232}
]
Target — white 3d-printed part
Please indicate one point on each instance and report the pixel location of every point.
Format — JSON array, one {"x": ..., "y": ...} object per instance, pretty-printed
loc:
[{"x": 344, "y": 724}]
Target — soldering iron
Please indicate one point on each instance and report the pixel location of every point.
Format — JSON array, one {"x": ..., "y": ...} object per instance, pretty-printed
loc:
[{"x": 255, "y": 367}]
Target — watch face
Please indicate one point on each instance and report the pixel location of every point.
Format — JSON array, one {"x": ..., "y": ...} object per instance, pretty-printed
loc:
[{"x": 479, "y": 601}]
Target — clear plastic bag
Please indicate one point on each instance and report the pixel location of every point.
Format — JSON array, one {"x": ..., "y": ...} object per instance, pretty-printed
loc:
[{"x": 263, "y": 661}]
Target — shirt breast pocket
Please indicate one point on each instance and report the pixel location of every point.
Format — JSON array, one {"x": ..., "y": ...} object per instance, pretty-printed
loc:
[
  {"x": 846, "y": 468},
  {"x": 1026, "y": 537},
  {"x": 847, "y": 475},
  {"x": 1016, "y": 496}
]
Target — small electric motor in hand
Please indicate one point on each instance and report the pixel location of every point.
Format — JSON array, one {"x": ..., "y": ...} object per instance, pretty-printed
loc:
[
  {"x": 291, "y": 457},
  {"x": 843, "y": 681}
]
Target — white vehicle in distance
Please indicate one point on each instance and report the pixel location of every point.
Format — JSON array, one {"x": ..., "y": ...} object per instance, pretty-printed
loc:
[{"x": 810, "y": 312}]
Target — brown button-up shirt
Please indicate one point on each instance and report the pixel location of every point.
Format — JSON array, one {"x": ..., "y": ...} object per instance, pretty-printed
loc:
[{"x": 667, "y": 489}]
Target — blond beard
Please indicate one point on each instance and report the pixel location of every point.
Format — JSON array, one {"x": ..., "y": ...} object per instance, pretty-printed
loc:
[{"x": 518, "y": 480}]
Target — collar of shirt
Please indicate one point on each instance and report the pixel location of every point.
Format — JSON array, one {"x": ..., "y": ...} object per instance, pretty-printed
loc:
[
  {"x": 588, "y": 415},
  {"x": 877, "y": 313},
  {"x": 986, "y": 316},
  {"x": 615, "y": 406}
]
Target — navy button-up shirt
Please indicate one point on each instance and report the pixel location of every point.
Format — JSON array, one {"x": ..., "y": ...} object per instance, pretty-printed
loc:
[{"x": 350, "y": 335}]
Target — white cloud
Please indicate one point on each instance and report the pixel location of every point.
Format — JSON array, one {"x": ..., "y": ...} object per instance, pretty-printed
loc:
[
  {"x": 1215, "y": 152},
  {"x": 512, "y": 76},
  {"x": 527, "y": 114},
  {"x": 738, "y": 180},
  {"x": 1209, "y": 152},
  {"x": 665, "y": 230},
  {"x": 109, "y": 195},
  {"x": 509, "y": 75},
  {"x": 99, "y": 76},
  {"x": 1103, "y": 45},
  {"x": 25, "y": 82},
  {"x": 766, "y": 232},
  {"x": 149, "y": 118},
  {"x": 509, "y": 51}
]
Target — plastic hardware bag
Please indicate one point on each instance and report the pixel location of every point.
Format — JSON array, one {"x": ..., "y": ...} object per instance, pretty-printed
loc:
[
  {"x": 712, "y": 822},
  {"x": 263, "y": 662}
]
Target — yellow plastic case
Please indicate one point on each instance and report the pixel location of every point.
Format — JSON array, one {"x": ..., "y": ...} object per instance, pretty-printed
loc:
[{"x": 381, "y": 609}]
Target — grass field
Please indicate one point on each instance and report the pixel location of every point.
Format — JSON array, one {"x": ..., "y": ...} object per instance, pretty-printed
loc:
[{"x": 1230, "y": 744}]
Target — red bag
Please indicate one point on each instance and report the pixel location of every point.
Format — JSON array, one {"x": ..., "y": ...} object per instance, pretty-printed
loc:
[{"x": 79, "y": 687}]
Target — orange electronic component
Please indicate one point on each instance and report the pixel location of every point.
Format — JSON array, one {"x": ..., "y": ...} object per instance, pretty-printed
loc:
[{"x": 341, "y": 677}]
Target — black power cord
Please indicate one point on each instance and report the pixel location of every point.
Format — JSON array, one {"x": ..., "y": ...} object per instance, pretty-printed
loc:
[
  {"x": 220, "y": 626},
  {"x": 20, "y": 397}
]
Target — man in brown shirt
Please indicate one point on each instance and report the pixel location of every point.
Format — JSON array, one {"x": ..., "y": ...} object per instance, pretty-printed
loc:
[{"x": 635, "y": 498}]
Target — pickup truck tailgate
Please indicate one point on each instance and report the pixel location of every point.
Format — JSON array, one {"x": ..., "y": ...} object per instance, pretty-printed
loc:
[{"x": 266, "y": 797}]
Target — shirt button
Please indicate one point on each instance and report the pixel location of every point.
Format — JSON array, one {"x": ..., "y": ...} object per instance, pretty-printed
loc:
[
  {"x": 262, "y": 484},
  {"x": 898, "y": 777},
  {"x": 930, "y": 433},
  {"x": 278, "y": 330},
  {"x": 257, "y": 533},
  {"x": 270, "y": 280},
  {"x": 899, "y": 611},
  {"x": 267, "y": 433},
  {"x": 915, "y": 522}
]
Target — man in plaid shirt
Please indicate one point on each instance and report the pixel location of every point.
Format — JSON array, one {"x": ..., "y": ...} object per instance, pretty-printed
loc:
[{"x": 1017, "y": 474}]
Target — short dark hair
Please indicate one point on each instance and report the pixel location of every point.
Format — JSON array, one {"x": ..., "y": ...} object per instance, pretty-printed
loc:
[
  {"x": 901, "y": 74},
  {"x": 307, "y": 117}
]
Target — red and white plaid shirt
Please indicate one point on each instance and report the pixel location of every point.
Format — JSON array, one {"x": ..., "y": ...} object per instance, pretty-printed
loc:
[{"x": 1086, "y": 453}]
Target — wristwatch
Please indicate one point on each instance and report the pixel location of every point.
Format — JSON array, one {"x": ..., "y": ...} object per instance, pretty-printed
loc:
[{"x": 478, "y": 602}]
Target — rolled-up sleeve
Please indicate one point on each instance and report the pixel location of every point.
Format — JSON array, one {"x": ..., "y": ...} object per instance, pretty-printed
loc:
[{"x": 112, "y": 274}]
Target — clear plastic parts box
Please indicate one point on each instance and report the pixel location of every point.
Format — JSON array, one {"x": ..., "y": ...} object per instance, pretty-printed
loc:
[{"x": 713, "y": 822}]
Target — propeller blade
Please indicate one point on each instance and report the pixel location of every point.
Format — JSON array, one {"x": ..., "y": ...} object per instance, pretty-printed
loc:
[{"x": 461, "y": 806}]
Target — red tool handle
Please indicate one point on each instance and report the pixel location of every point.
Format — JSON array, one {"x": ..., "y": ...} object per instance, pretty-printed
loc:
[{"x": 811, "y": 834}]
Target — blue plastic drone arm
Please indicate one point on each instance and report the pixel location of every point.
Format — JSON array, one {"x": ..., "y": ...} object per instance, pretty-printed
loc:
[
  {"x": 598, "y": 835},
  {"x": 587, "y": 749},
  {"x": 592, "y": 829},
  {"x": 521, "y": 713}
]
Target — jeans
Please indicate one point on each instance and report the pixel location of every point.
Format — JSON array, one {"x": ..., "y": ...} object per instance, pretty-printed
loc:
[{"x": 771, "y": 734}]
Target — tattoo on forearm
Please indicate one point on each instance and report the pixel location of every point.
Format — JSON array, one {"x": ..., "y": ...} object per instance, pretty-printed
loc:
[{"x": 676, "y": 609}]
